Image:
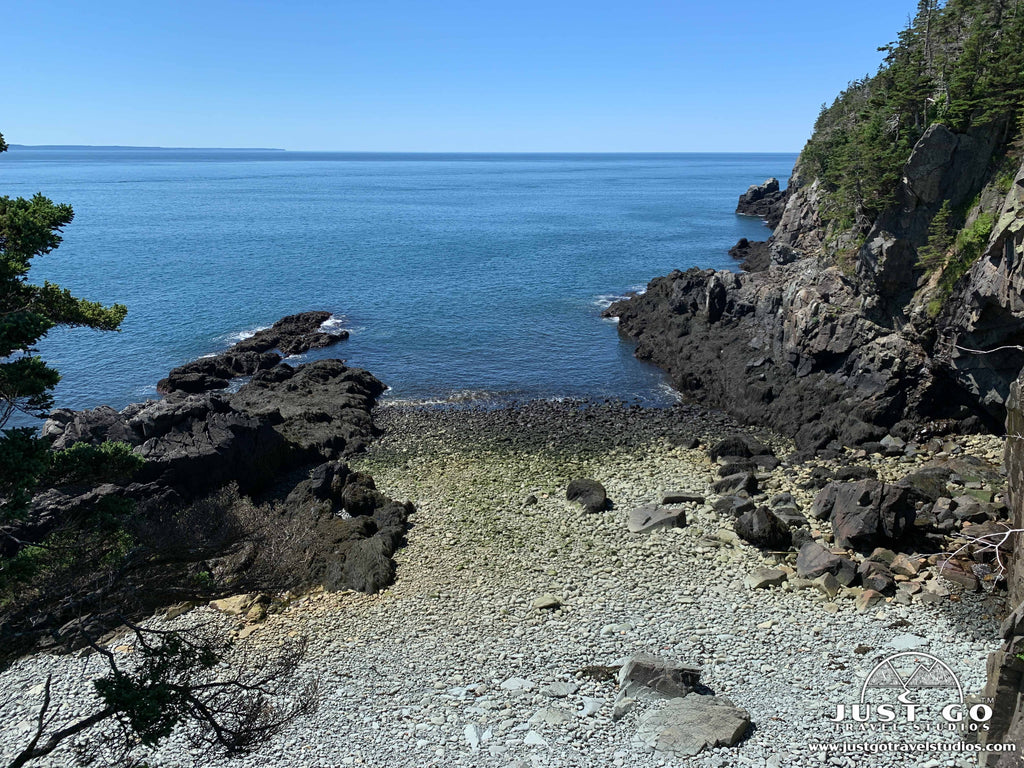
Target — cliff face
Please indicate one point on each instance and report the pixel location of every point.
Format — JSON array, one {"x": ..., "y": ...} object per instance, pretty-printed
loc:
[
  {"x": 986, "y": 307},
  {"x": 837, "y": 340},
  {"x": 1005, "y": 686}
]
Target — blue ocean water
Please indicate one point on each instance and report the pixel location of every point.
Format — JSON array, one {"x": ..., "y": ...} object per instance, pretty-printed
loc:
[{"x": 459, "y": 276}]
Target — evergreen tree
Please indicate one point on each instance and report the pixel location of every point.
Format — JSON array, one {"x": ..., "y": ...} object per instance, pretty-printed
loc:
[
  {"x": 933, "y": 254},
  {"x": 961, "y": 63},
  {"x": 30, "y": 229}
]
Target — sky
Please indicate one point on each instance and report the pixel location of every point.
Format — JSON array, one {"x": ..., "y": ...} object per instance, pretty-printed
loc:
[{"x": 441, "y": 76}]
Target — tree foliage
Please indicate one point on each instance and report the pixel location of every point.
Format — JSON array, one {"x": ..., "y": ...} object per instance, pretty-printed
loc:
[
  {"x": 29, "y": 229},
  {"x": 179, "y": 678},
  {"x": 961, "y": 64},
  {"x": 933, "y": 253}
]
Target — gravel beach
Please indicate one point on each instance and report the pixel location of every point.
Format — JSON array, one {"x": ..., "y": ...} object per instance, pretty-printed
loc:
[{"x": 507, "y": 593}]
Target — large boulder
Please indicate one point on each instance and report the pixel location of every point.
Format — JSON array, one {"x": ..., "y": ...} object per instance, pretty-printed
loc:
[
  {"x": 762, "y": 528},
  {"x": 739, "y": 445},
  {"x": 590, "y": 494},
  {"x": 745, "y": 482},
  {"x": 868, "y": 513},
  {"x": 684, "y": 727},
  {"x": 655, "y": 676},
  {"x": 813, "y": 560}
]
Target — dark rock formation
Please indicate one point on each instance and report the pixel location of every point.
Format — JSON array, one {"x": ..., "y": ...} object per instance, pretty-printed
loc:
[
  {"x": 877, "y": 576},
  {"x": 762, "y": 528},
  {"x": 985, "y": 311},
  {"x": 744, "y": 482},
  {"x": 740, "y": 446},
  {"x": 867, "y": 513},
  {"x": 286, "y": 424},
  {"x": 764, "y": 200},
  {"x": 832, "y": 340},
  {"x": 292, "y": 335},
  {"x": 813, "y": 560},
  {"x": 283, "y": 418},
  {"x": 768, "y": 202},
  {"x": 588, "y": 493},
  {"x": 753, "y": 255},
  {"x": 785, "y": 349},
  {"x": 1005, "y": 685}
]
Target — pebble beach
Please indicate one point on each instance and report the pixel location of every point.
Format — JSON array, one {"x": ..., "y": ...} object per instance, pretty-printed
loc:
[{"x": 513, "y": 607}]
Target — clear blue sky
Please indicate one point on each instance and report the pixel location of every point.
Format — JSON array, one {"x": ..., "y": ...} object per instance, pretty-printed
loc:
[{"x": 416, "y": 75}]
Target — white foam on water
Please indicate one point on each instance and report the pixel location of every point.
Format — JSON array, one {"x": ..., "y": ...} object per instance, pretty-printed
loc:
[
  {"x": 236, "y": 384},
  {"x": 672, "y": 391},
  {"x": 234, "y": 338},
  {"x": 605, "y": 300},
  {"x": 459, "y": 397},
  {"x": 333, "y": 324}
]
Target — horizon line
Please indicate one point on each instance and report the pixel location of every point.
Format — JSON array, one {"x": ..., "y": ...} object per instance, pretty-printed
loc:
[{"x": 411, "y": 152}]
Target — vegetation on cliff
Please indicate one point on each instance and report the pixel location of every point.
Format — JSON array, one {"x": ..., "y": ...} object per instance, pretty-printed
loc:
[
  {"x": 30, "y": 229},
  {"x": 960, "y": 64}
]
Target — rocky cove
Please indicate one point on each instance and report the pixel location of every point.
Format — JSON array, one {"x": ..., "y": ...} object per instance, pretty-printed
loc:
[
  {"x": 809, "y": 561},
  {"x": 568, "y": 583},
  {"x": 523, "y": 626}
]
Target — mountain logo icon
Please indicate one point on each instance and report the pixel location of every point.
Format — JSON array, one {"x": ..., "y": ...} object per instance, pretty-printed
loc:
[{"x": 911, "y": 671}]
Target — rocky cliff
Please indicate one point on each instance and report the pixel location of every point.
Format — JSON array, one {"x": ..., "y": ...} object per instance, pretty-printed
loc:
[
  {"x": 1005, "y": 687},
  {"x": 888, "y": 295},
  {"x": 829, "y": 342}
]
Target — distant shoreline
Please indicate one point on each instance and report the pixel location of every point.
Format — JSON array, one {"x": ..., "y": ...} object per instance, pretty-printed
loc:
[
  {"x": 405, "y": 153},
  {"x": 148, "y": 149}
]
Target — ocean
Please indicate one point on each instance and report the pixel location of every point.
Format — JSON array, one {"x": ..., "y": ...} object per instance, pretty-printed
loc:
[{"x": 462, "y": 278}]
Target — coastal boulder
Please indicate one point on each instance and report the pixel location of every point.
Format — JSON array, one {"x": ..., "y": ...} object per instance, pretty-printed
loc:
[
  {"x": 590, "y": 494},
  {"x": 739, "y": 445},
  {"x": 651, "y": 517},
  {"x": 877, "y": 576},
  {"x": 647, "y": 675},
  {"x": 368, "y": 566},
  {"x": 813, "y": 560},
  {"x": 866, "y": 514},
  {"x": 685, "y": 727},
  {"x": 733, "y": 484},
  {"x": 762, "y": 528}
]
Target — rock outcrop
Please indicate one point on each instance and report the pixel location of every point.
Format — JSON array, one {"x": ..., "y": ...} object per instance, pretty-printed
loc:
[
  {"x": 282, "y": 437},
  {"x": 829, "y": 339},
  {"x": 292, "y": 335},
  {"x": 192, "y": 443},
  {"x": 1005, "y": 685},
  {"x": 764, "y": 200},
  {"x": 985, "y": 311}
]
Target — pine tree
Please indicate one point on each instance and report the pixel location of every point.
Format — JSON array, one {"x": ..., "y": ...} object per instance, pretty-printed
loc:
[
  {"x": 932, "y": 255},
  {"x": 30, "y": 229}
]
